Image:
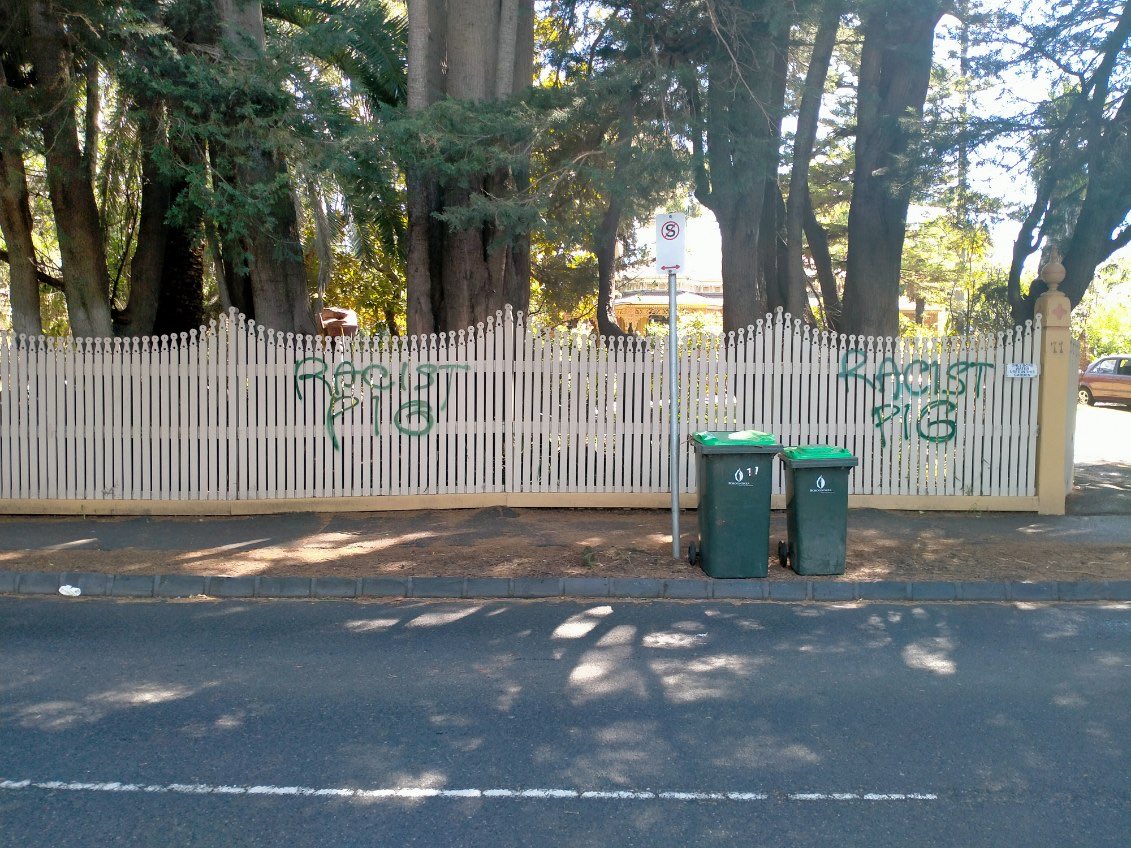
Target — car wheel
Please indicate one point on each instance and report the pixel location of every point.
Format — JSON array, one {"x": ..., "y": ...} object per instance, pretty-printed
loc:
[{"x": 1084, "y": 395}]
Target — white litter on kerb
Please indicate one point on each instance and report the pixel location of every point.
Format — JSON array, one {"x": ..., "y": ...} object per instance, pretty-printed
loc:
[
  {"x": 428, "y": 792},
  {"x": 70, "y": 591}
]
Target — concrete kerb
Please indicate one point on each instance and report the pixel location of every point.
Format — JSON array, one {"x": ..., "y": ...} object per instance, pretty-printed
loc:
[{"x": 822, "y": 590}]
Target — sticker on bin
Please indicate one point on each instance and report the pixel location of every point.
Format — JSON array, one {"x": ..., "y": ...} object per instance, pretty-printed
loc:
[
  {"x": 821, "y": 488},
  {"x": 744, "y": 476}
]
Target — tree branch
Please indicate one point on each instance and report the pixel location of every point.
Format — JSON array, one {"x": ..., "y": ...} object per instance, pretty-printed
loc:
[
  {"x": 702, "y": 180},
  {"x": 43, "y": 277}
]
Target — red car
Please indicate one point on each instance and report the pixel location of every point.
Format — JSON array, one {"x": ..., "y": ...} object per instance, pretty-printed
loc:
[{"x": 1106, "y": 379}]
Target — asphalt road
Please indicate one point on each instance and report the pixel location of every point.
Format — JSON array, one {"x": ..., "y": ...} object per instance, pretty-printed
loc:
[{"x": 505, "y": 724}]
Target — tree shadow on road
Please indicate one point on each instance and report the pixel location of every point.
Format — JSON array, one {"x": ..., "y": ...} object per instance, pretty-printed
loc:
[{"x": 1101, "y": 489}]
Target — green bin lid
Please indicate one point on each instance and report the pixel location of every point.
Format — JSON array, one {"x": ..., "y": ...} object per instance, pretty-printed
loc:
[
  {"x": 736, "y": 439},
  {"x": 817, "y": 453}
]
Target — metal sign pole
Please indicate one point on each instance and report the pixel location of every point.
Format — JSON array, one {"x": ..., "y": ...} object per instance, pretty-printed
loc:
[
  {"x": 670, "y": 236},
  {"x": 673, "y": 410}
]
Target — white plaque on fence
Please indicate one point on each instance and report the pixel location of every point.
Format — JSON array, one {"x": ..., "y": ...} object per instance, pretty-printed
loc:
[{"x": 1021, "y": 369}]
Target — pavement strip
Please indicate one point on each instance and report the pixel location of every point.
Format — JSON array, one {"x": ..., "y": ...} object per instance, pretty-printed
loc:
[{"x": 421, "y": 792}]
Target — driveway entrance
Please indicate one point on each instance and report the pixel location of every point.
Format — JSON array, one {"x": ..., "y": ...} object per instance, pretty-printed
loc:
[{"x": 1103, "y": 461}]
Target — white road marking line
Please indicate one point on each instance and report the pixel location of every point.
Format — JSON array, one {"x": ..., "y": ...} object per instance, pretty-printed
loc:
[
  {"x": 548, "y": 793},
  {"x": 867, "y": 796},
  {"x": 418, "y": 792}
]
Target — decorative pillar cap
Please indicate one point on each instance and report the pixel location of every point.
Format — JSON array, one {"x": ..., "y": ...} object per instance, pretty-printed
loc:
[{"x": 1053, "y": 272}]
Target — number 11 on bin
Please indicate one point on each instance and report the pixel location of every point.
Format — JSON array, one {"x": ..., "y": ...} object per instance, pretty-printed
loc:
[{"x": 742, "y": 473}]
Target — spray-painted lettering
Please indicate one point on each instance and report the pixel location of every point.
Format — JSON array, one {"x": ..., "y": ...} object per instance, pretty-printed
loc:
[
  {"x": 902, "y": 387},
  {"x": 347, "y": 385}
]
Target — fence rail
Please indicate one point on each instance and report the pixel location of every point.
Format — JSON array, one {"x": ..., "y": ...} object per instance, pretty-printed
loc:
[{"x": 236, "y": 412}]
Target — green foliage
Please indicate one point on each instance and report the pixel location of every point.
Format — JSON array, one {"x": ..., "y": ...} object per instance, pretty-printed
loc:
[
  {"x": 325, "y": 97},
  {"x": 690, "y": 327},
  {"x": 1102, "y": 320},
  {"x": 945, "y": 264},
  {"x": 311, "y": 99},
  {"x": 344, "y": 61},
  {"x": 603, "y": 70},
  {"x": 1074, "y": 143},
  {"x": 360, "y": 38},
  {"x": 1109, "y": 327},
  {"x": 53, "y": 312},
  {"x": 563, "y": 287},
  {"x": 371, "y": 290},
  {"x": 983, "y": 306},
  {"x": 457, "y": 141}
]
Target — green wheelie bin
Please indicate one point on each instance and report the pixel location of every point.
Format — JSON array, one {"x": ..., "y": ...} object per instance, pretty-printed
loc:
[
  {"x": 816, "y": 502},
  {"x": 734, "y": 481}
]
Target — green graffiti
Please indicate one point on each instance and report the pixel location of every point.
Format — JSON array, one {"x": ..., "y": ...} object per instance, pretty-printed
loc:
[
  {"x": 414, "y": 410},
  {"x": 347, "y": 386},
  {"x": 927, "y": 424},
  {"x": 941, "y": 429},
  {"x": 935, "y": 420}
]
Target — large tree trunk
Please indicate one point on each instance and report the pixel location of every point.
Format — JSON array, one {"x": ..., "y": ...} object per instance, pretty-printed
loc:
[
  {"x": 740, "y": 153},
  {"x": 1091, "y": 245},
  {"x": 516, "y": 290},
  {"x": 771, "y": 232},
  {"x": 180, "y": 302},
  {"x": 606, "y": 252},
  {"x": 773, "y": 253},
  {"x": 823, "y": 264},
  {"x": 1106, "y": 145},
  {"x": 277, "y": 275},
  {"x": 149, "y": 255},
  {"x": 808, "y": 115},
  {"x": 423, "y": 270},
  {"x": 1108, "y": 197},
  {"x": 323, "y": 241},
  {"x": 426, "y": 53},
  {"x": 738, "y": 173},
  {"x": 474, "y": 50},
  {"x": 16, "y": 226},
  {"x": 72, "y": 196},
  {"x": 278, "y": 278},
  {"x": 895, "y": 71},
  {"x": 91, "y": 120},
  {"x": 1028, "y": 240},
  {"x": 233, "y": 279},
  {"x": 606, "y": 246},
  {"x": 167, "y": 269}
]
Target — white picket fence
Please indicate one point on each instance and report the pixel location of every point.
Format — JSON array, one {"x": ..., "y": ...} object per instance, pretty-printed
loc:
[{"x": 237, "y": 412}]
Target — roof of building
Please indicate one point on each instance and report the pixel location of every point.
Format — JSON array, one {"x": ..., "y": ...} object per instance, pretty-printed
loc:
[{"x": 660, "y": 298}]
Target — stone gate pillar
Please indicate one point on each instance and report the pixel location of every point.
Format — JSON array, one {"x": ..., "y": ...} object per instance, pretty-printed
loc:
[{"x": 1058, "y": 390}]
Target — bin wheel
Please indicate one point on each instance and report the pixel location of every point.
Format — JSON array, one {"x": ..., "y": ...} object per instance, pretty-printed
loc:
[
  {"x": 783, "y": 554},
  {"x": 693, "y": 553}
]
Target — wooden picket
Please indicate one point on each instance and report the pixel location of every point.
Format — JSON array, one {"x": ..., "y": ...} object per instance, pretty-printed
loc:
[{"x": 237, "y": 412}]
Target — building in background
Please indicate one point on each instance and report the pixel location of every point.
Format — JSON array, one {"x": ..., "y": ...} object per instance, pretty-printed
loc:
[{"x": 640, "y": 295}]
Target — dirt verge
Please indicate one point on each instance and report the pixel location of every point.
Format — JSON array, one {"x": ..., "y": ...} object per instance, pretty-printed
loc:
[{"x": 502, "y": 542}]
